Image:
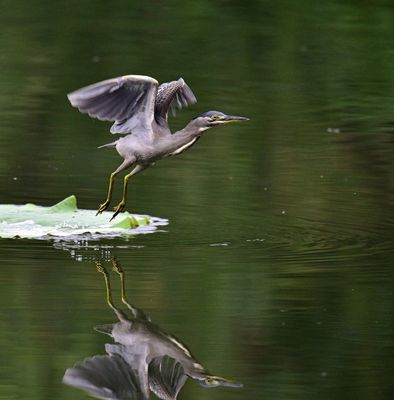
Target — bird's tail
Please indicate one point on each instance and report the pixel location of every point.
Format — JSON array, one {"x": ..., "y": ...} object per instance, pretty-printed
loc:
[{"x": 113, "y": 144}]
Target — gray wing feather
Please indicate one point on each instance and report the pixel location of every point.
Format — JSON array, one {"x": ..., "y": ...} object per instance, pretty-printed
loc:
[
  {"x": 105, "y": 377},
  {"x": 166, "y": 377},
  {"x": 172, "y": 95},
  {"x": 135, "y": 357},
  {"x": 128, "y": 100}
]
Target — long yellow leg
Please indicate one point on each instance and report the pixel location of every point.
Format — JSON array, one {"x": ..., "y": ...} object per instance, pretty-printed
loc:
[
  {"x": 105, "y": 205},
  {"x": 118, "y": 269},
  {"x": 125, "y": 164},
  {"x": 122, "y": 204},
  {"x": 103, "y": 271},
  {"x": 100, "y": 268},
  {"x": 137, "y": 313}
]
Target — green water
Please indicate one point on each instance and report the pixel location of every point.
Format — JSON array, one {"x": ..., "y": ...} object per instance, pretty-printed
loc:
[{"x": 276, "y": 268}]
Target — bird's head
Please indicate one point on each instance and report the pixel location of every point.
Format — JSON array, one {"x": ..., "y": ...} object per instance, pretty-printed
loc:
[
  {"x": 210, "y": 381},
  {"x": 210, "y": 119}
]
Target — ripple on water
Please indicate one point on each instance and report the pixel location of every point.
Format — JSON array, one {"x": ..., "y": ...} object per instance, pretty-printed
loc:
[{"x": 322, "y": 242}]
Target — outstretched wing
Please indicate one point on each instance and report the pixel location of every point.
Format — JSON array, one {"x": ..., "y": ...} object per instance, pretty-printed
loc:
[
  {"x": 166, "y": 377},
  {"x": 135, "y": 358},
  {"x": 105, "y": 377},
  {"x": 128, "y": 100},
  {"x": 172, "y": 95}
]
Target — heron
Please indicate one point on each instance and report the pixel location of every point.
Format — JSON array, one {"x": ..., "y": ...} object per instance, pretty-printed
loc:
[
  {"x": 139, "y": 108},
  {"x": 145, "y": 359}
]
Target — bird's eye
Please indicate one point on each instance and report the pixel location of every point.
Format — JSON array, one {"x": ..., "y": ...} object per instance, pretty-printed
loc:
[
  {"x": 215, "y": 117},
  {"x": 209, "y": 381}
]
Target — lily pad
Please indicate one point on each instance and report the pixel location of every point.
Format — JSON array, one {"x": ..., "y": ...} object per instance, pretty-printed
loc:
[{"x": 64, "y": 220}]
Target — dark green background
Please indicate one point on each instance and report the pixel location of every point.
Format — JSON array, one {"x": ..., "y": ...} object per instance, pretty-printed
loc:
[{"x": 276, "y": 266}]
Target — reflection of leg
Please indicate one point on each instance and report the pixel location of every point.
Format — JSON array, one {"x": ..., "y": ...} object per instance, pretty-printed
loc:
[
  {"x": 137, "y": 313},
  {"x": 122, "y": 204},
  {"x": 125, "y": 164},
  {"x": 103, "y": 271},
  {"x": 118, "y": 269}
]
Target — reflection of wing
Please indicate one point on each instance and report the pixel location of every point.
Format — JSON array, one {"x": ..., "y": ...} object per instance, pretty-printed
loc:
[
  {"x": 172, "y": 95},
  {"x": 135, "y": 358},
  {"x": 105, "y": 377},
  {"x": 128, "y": 100},
  {"x": 166, "y": 377}
]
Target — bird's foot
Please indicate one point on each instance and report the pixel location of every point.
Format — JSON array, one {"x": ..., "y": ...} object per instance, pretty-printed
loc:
[
  {"x": 116, "y": 267},
  {"x": 103, "y": 207},
  {"x": 99, "y": 266},
  {"x": 119, "y": 208}
]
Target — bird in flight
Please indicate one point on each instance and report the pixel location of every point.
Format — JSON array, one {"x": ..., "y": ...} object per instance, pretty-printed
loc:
[{"x": 139, "y": 108}]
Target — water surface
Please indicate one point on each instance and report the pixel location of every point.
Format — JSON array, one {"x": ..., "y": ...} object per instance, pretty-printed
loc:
[{"x": 276, "y": 265}]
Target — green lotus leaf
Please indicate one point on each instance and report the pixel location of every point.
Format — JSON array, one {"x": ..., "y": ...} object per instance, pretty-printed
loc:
[{"x": 64, "y": 220}]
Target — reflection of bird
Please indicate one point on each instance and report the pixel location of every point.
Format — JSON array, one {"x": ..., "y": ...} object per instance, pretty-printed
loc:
[
  {"x": 139, "y": 106},
  {"x": 145, "y": 359}
]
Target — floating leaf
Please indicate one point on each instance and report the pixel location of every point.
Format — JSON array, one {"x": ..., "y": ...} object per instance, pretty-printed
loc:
[{"x": 64, "y": 220}]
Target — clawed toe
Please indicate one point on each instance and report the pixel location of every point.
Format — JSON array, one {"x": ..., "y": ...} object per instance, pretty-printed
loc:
[
  {"x": 102, "y": 207},
  {"x": 118, "y": 209}
]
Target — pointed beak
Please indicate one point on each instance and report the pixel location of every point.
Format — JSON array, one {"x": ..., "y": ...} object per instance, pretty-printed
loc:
[
  {"x": 227, "y": 383},
  {"x": 234, "y": 118}
]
